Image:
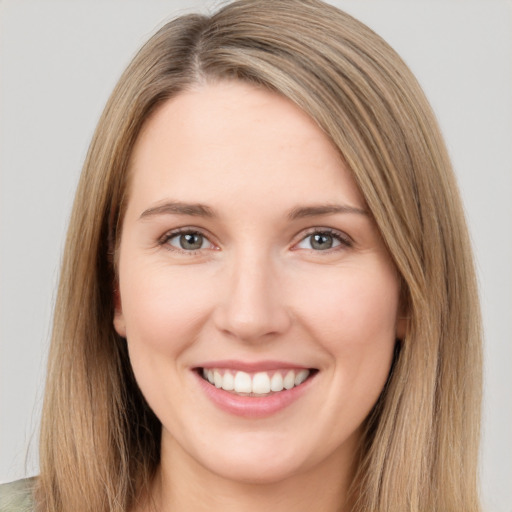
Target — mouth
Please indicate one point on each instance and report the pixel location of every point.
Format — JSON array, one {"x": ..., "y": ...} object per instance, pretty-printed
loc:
[{"x": 256, "y": 384}]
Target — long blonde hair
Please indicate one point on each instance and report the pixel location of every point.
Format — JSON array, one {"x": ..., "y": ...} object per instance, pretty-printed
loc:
[{"x": 100, "y": 442}]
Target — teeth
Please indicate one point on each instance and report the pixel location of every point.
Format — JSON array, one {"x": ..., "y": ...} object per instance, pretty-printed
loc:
[
  {"x": 260, "y": 383},
  {"x": 243, "y": 383},
  {"x": 228, "y": 382},
  {"x": 276, "y": 384},
  {"x": 289, "y": 380},
  {"x": 301, "y": 377}
]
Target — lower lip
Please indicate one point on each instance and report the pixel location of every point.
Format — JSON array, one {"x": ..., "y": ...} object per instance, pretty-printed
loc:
[{"x": 252, "y": 406}]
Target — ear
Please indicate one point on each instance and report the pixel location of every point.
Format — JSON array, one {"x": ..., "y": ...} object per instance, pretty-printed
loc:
[
  {"x": 402, "y": 326},
  {"x": 119, "y": 323},
  {"x": 403, "y": 318}
]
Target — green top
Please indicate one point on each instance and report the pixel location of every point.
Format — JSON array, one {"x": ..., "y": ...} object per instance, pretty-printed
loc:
[{"x": 17, "y": 496}]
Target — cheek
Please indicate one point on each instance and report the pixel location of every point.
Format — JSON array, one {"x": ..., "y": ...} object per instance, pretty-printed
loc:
[
  {"x": 353, "y": 316},
  {"x": 163, "y": 308},
  {"x": 164, "y": 311},
  {"x": 353, "y": 307}
]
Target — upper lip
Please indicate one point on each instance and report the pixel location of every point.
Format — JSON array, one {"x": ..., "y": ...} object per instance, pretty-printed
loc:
[{"x": 252, "y": 366}]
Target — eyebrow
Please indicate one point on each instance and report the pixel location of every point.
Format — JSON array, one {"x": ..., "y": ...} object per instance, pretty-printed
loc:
[
  {"x": 327, "y": 209},
  {"x": 201, "y": 210},
  {"x": 178, "y": 208}
]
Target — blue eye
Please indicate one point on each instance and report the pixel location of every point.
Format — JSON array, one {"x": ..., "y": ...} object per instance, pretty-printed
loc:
[
  {"x": 188, "y": 241},
  {"x": 322, "y": 241}
]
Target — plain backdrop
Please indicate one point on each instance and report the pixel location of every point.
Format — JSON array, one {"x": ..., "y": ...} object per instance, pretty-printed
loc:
[{"x": 59, "y": 60}]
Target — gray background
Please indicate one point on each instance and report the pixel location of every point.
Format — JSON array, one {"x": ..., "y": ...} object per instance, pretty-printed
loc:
[{"x": 59, "y": 61}]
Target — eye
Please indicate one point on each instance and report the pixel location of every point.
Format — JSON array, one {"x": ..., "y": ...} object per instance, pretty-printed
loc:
[
  {"x": 188, "y": 241},
  {"x": 323, "y": 241}
]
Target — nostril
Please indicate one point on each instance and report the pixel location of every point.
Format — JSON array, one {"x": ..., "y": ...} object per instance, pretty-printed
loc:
[{"x": 252, "y": 309}]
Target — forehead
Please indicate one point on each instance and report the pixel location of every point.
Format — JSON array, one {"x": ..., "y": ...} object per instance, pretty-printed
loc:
[{"x": 227, "y": 140}]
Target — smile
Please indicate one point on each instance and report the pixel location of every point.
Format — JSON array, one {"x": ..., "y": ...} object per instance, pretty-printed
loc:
[
  {"x": 254, "y": 390},
  {"x": 261, "y": 383}
]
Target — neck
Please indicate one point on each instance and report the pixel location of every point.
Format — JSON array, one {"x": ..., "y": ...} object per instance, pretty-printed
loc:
[{"x": 182, "y": 484}]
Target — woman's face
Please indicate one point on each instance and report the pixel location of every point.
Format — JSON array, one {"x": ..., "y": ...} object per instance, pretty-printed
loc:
[{"x": 257, "y": 298}]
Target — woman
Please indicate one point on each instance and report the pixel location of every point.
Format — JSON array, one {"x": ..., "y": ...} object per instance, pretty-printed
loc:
[{"x": 267, "y": 296}]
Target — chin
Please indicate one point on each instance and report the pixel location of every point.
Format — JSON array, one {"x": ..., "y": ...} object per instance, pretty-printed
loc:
[
  {"x": 273, "y": 470},
  {"x": 260, "y": 457}
]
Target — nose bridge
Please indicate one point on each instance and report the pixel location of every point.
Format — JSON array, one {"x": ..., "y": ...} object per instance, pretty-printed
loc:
[{"x": 252, "y": 305}]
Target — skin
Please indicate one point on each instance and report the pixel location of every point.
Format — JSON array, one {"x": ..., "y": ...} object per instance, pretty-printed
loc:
[{"x": 256, "y": 290}]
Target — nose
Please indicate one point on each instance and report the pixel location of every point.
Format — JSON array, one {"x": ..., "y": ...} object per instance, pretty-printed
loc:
[{"x": 252, "y": 306}]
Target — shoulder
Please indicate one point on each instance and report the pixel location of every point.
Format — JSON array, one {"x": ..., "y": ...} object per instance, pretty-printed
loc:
[{"x": 17, "y": 496}]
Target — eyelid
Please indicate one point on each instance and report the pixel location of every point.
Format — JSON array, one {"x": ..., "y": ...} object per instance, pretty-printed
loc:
[
  {"x": 344, "y": 239},
  {"x": 162, "y": 241}
]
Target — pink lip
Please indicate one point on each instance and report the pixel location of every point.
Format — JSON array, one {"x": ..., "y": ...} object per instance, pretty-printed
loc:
[
  {"x": 251, "y": 367},
  {"x": 250, "y": 406}
]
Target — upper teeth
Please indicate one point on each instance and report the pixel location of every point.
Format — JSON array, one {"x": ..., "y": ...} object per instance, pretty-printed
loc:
[{"x": 259, "y": 383}]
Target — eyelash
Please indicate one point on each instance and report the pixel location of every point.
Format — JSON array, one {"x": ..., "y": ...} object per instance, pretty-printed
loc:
[
  {"x": 164, "y": 240},
  {"x": 343, "y": 239}
]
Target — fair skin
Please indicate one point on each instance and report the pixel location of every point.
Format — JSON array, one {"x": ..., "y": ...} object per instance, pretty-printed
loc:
[{"x": 247, "y": 248}]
